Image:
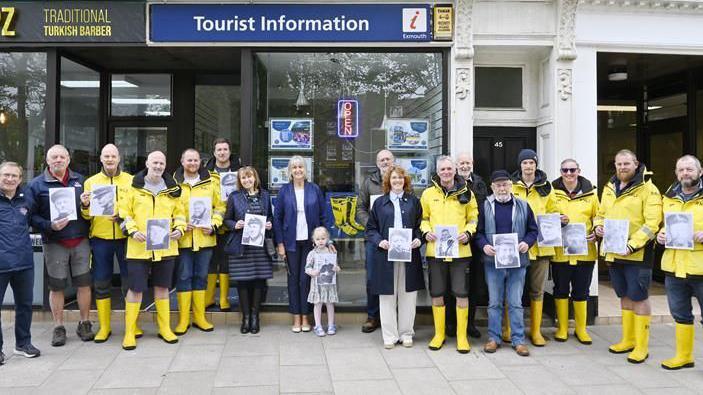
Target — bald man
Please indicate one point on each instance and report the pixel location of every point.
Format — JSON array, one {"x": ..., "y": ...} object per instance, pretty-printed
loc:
[
  {"x": 65, "y": 243},
  {"x": 371, "y": 188},
  {"x": 107, "y": 241}
]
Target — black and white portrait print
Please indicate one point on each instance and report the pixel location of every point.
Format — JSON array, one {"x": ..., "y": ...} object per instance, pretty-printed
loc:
[
  {"x": 63, "y": 204},
  {"x": 400, "y": 240},
  {"x": 327, "y": 274},
  {"x": 157, "y": 234},
  {"x": 102, "y": 200},
  {"x": 574, "y": 236},
  {"x": 679, "y": 230},
  {"x": 254, "y": 230},
  {"x": 615, "y": 234},
  {"x": 549, "y": 230},
  {"x": 507, "y": 253},
  {"x": 200, "y": 212},
  {"x": 228, "y": 184},
  {"x": 446, "y": 245}
]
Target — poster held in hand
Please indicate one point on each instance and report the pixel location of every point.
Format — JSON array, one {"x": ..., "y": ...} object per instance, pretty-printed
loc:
[
  {"x": 507, "y": 253},
  {"x": 400, "y": 240},
  {"x": 102, "y": 201},
  {"x": 549, "y": 230},
  {"x": 574, "y": 236},
  {"x": 325, "y": 264},
  {"x": 157, "y": 234},
  {"x": 679, "y": 230},
  {"x": 615, "y": 234},
  {"x": 200, "y": 212},
  {"x": 63, "y": 204},
  {"x": 447, "y": 243},
  {"x": 228, "y": 184},
  {"x": 254, "y": 230}
]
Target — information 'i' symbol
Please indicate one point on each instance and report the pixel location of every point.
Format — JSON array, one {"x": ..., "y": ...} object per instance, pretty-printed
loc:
[{"x": 412, "y": 21}]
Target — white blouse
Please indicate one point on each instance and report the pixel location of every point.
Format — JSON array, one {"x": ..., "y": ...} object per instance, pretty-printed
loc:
[{"x": 301, "y": 226}]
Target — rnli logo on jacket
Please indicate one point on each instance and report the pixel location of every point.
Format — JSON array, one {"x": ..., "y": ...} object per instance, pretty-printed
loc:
[
  {"x": 23, "y": 211},
  {"x": 77, "y": 184}
]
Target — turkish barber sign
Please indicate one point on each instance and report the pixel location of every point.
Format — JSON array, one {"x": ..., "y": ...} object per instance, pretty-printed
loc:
[
  {"x": 242, "y": 23},
  {"x": 72, "y": 21}
]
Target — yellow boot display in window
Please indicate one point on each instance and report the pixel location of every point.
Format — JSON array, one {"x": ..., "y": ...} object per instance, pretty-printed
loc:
[
  {"x": 536, "y": 323},
  {"x": 641, "y": 351},
  {"x": 462, "y": 324},
  {"x": 199, "y": 320},
  {"x": 351, "y": 217},
  {"x": 184, "y": 300},
  {"x": 439, "y": 321},
  {"x": 562, "y": 309},
  {"x": 684, "y": 348},
  {"x": 104, "y": 311},
  {"x": 224, "y": 292},
  {"x": 131, "y": 314},
  {"x": 210, "y": 290},
  {"x": 340, "y": 212},
  {"x": 163, "y": 319},
  {"x": 580, "y": 315},
  {"x": 627, "y": 343}
]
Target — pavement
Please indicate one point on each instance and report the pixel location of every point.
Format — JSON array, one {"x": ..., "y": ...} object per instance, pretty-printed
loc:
[{"x": 279, "y": 361}]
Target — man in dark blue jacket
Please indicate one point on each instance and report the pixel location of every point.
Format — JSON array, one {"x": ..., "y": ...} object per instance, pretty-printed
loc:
[
  {"x": 65, "y": 243},
  {"x": 503, "y": 213},
  {"x": 17, "y": 263}
]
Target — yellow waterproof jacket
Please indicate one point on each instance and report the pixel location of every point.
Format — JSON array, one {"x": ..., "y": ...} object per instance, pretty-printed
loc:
[
  {"x": 640, "y": 203},
  {"x": 207, "y": 187},
  {"x": 581, "y": 208},
  {"x": 141, "y": 205},
  {"x": 684, "y": 263},
  {"x": 540, "y": 196},
  {"x": 456, "y": 207},
  {"x": 104, "y": 227}
]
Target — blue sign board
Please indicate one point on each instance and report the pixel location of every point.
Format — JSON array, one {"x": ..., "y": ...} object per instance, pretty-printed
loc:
[
  {"x": 241, "y": 23},
  {"x": 347, "y": 118}
]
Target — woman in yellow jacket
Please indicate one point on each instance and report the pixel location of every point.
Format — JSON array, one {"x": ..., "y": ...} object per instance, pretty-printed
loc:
[
  {"x": 683, "y": 267},
  {"x": 200, "y": 199},
  {"x": 572, "y": 265},
  {"x": 154, "y": 220}
]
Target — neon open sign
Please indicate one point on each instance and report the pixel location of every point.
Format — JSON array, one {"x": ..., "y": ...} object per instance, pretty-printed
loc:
[{"x": 347, "y": 118}]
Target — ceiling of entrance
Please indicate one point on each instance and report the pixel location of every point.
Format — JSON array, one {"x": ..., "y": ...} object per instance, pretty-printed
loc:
[{"x": 163, "y": 59}]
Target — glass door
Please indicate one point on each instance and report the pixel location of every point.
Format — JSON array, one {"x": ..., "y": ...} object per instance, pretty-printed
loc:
[{"x": 136, "y": 141}]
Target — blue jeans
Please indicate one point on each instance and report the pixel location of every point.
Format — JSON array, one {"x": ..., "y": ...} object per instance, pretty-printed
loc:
[
  {"x": 679, "y": 292},
  {"x": 298, "y": 281},
  {"x": 22, "y": 283},
  {"x": 192, "y": 269},
  {"x": 104, "y": 253},
  {"x": 372, "y": 304},
  {"x": 502, "y": 283}
]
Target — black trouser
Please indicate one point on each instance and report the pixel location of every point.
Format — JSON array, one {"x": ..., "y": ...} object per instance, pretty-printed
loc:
[
  {"x": 576, "y": 278},
  {"x": 219, "y": 263}
]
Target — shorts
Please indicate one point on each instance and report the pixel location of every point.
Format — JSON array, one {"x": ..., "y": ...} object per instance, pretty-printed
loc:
[
  {"x": 139, "y": 270},
  {"x": 61, "y": 262},
  {"x": 631, "y": 280},
  {"x": 442, "y": 273}
]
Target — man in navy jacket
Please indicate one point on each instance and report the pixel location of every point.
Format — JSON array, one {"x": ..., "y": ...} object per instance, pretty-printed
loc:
[{"x": 17, "y": 263}]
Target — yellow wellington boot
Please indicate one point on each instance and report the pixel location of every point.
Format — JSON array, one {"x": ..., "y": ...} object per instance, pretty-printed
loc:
[
  {"x": 131, "y": 314},
  {"x": 438, "y": 340},
  {"x": 562, "y": 308},
  {"x": 580, "y": 309},
  {"x": 210, "y": 290},
  {"x": 505, "y": 332},
  {"x": 627, "y": 343},
  {"x": 184, "y": 299},
  {"x": 224, "y": 292},
  {"x": 163, "y": 319},
  {"x": 199, "y": 320},
  {"x": 138, "y": 332},
  {"x": 684, "y": 348},
  {"x": 104, "y": 311},
  {"x": 462, "y": 323},
  {"x": 641, "y": 351},
  {"x": 536, "y": 323}
]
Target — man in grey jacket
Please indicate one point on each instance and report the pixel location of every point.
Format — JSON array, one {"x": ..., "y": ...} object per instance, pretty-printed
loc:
[{"x": 371, "y": 188}]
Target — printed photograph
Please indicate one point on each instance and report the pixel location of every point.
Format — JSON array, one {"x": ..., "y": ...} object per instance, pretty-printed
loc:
[
  {"x": 200, "y": 212},
  {"x": 446, "y": 245},
  {"x": 254, "y": 230},
  {"x": 615, "y": 234},
  {"x": 228, "y": 184},
  {"x": 102, "y": 200},
  {"x": 400, "y": 240},
  {"x": 157, "y": 234},
  {"x": 507, "y": 253},
  {"x": 63, "y": 204},
  {"x": 549, "y": 230},
  {"x": 574, "y": 236},
  {"x": 679, "y": 231}
]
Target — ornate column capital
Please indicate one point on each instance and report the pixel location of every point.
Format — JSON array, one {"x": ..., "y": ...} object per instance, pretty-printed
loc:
[
  {"x": 566, "y": 35},
  {"x": 464, "y": 30}
]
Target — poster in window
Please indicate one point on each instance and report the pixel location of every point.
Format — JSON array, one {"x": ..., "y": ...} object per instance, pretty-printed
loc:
[
  {"x": 290, "y": 134},
  {"x": 278, "y": 170},
  {"x": 342, "y": 217},
  {"x": 417, "y": 169},
  {"x": 407, "y": 134}
]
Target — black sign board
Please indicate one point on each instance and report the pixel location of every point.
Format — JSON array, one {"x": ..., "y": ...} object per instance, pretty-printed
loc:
[{"x": 72, "y": 22}]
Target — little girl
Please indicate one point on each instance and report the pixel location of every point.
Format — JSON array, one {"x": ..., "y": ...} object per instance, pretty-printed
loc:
[{"x": 321, "y": 265}]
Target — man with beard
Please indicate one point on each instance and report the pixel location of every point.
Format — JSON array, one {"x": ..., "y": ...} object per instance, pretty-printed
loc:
[
  {"x": 372, "y": 188},
  {"x": 532, "y": 185},
  {"x": 631, "y": 195},
  {"x": 684, "y": 268}
]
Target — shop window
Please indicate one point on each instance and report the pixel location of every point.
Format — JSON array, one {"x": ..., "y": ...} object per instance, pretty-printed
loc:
[
  {"x": 141, "y": 95},
  {"x": 137, "y": 142},
  {"x": 217, "y": 114},
  {"x": 79, "y": 104},
  {"x": 22, "y": 105},
  {"x": 396, "y": 102},
  {"x": 617, "y": 129},
  {"x": 498, "y": 87}
]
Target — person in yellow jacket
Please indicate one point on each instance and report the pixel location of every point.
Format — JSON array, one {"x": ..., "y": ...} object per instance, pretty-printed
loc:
[
  {"x": 154, "y": 219},
  {"x": 223, "y": 166},
  {"x": 631, "y": 195},
  {"x": 107, "y": 241},
  {"x": 449, "y": 202},
  {"x": 572, "y": 266},
  {"x": 200, "y": 199},
  {"x": 531, "y": 184},
  {"x": 684, "y": 267}
]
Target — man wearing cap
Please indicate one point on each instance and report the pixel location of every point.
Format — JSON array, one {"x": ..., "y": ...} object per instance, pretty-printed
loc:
[
  {"x": 65, "y": 243},
  {"x": 532, "y": 185},
  {"x": 684, "y": 268},
  {"x": 630, "y": 195},
  {"x": 107, "y": 241},
  {"x": 503, "y": 213},
  {"x": 222, "y": 161},
  {"x": 372, "y": 188}
]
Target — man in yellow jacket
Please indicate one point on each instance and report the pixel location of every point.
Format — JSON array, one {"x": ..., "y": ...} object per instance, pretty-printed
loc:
[
  {"x": 531, "y": 184},
  {"x": 449, "y": 202},
  {"x": 572, "y": 265},
  {"x": 152, "y": 209},
  {"x": 200, "y": 199},
  {"x": 107, "y": 241},
  {"x": 630, "y": 195},
  {"x": 684, "y": 267}
]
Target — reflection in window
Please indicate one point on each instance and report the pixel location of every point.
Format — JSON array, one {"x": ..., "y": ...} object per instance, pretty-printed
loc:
[
  {"x": 135, "y": 143},
  {"x": 80, "y": 100},
  {"x": 216, "y": 115},
  {"x": 498, "y": 87},
  {"x": 141, "y": 95},
  {"x": 22, "y": 103}
]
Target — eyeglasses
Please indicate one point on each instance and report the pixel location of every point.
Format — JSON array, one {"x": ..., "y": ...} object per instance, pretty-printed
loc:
[{"x": 566, "y": 170}]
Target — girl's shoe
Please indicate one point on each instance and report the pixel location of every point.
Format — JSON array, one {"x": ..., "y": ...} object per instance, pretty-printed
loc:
[
  {"x": 332, "y": 329},
  {"x": 319, "y": 331}
]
